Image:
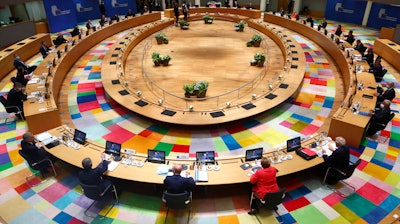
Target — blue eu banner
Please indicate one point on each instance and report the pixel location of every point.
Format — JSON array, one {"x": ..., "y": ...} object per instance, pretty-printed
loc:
[
  {"x": 86, "y": 9},
  {"x": 349, "y": 11},
  {"x": 383, "y": 16},
  {"x": 119, "y": 6},
  {"x": 60, "y": 14}
]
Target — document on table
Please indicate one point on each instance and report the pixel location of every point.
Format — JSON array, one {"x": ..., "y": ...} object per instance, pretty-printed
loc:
[{"x": 112, "y": 165}]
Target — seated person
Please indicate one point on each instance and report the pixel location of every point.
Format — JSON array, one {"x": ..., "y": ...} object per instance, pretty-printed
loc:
[
  {"x": 339, "y": 31},
  {"x": 22, "y": 77},
  {"x": 115, "y": 17},
  {"x": 103, "y": 20},
  {"x": 324, "y": 23},
  {"x": 90, "y": 176},
  {"x": 35, "y": 152},
  {"x": 388, "y": 94},
  {"x": 18, "y": 63},
  {"x": 235, "y": 4},
  {"x": 369, "y": 56},
  {"x": 282, "y": 12},
  {"x": 310, "y": 20},
  {"x": 177, "y": 184},
  {"x": 89, "y": 25},
  {"x": 75, "y": 31},
  {"x": 263, "y": 181},
  {"x": 339, "y": 158},
  {"x": 377, "y": 69},
  {"x": 15, "y": 98},
  {"x": 44, "y": 49},
  {"x": 379, "y": 117},
  {"x": 350, "y": 38},
  {"x": 59, "y": 40},
  {"x": 130, "y": 13},
  {"x": 294, "y": 15},
  {"x": 360, "y": 47}
]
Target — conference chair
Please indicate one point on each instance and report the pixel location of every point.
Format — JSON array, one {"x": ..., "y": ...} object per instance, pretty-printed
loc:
[
  {"x": 271, "y": 201},
  {"x": 34, "y": 169},
  {"x": 177, "y": 201},
  {"x": 10, "y": 110},
  {"x": 342, "y": 175},
  {"x": 96, "y": 193},
  {"x": 379, "y": 78},
  {"x": 379, "y": 127}
]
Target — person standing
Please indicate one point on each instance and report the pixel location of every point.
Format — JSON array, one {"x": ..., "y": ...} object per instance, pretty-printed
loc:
[
  {"x": 264, "y": 181},
  {"x": 184, "y": 11},
  {"x": 176, "y": 12}
]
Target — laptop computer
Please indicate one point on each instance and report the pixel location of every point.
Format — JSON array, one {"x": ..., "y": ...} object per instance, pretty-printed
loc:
[
  {"x": 79, "y": 137},
  {"x": 156, "y": 156},
  {"x": 253, "y": 154},
  {"x": 293, "y": 144},
  {"x": 207, "y": 157}
]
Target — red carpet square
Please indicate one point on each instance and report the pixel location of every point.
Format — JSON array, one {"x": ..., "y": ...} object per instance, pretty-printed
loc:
[
  {"x": 296, "y": 204},
  {"x": 180, "y": 148},
  {"x": 118, "y": 134},
  {"x": 332, "y": 199},
  {"x": 54, "y": 192},
  {"x": 373, "y": 193},
  {"x": 21, "y": 188}
]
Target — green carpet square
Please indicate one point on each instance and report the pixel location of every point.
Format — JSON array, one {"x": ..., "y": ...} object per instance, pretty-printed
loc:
[
  {"x": 309, "y": 214},
  {"x": 166, "y": 147},
  {"x": 358, "y": 204},
  {"x": 346, "y": 212}
]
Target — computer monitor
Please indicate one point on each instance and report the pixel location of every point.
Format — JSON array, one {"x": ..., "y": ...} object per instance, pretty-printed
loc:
[
  {"x": 293, "y": 144},
  {"x": 205, "y": 157},
  {"x": 156, "y": 156},
  {"x": 79, "y": 137},
  {"x": 113, "y": 148},
  {"x": 253, "y": 154}
]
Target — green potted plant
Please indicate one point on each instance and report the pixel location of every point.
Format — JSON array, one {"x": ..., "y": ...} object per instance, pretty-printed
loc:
[
  {"x": 260, "y": 59},
  {"x": 156, "y": 58},
  {"x": 249, "y": 43},
  {"x": 201, "y": 87},
  {"x": 165, "y": 60},
  {"x": 160, "y": 37},
  {"x": 184, "y": 25},
  {"x": 188, "y": 88},
  {"x": 240, "y": 26},
  {"x": 208, "y": 19},
  {"x": 256, "y": 40}
]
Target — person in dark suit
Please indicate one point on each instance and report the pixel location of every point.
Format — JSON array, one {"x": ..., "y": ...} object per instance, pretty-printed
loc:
[
  {"x": 290, "y": 6},
  {"x": 102, "y": 7},
  {"x": 338, "y": 31},
  {"x": 18, "y": 63},
  {"x": 360, "y": 47},
  {"x": 129, "y": 13},
  {"x": 75, "y": 31},
  {"x": 16, "y": 97},
  {"x": 21, "y": 77},
  {"x": 59, "y": 40},
  {"x": 35, "y": 152},
  {"x": 380, "y": 116},
  {"x": 324, "y": 23},
  {"x": 339, "y": 158},
  {"x": 90, "y": 176},
  {"x": 103, "y": 20},
  {"x": 350, "y": 38},
  {"x": 115, "y": 17},
  {"x": 176, "y": 12},
  {"x": 264, "y": 181},
  {"x": 310, "y": 20},
  {"x": 184, "y": 11},
  {"x": 44, "y": 49},
  {"x": 388, "y": 94},
  {"x": 377, "y": 68},
  {"x": 177, "y": 184},
  {"x": 369, "y": 56}
]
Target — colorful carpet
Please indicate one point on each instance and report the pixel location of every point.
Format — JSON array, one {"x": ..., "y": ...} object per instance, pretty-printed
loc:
[{"x": 60, "y": 199}]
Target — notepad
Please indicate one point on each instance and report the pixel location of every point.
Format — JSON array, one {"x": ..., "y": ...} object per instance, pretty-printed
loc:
[
  {"x": 112, "y": 165},
  {"x": 201, "y": 176}
]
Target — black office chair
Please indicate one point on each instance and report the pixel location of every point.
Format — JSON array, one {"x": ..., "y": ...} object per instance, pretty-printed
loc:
[
  {"x": 271, "y": 201},
  {"x": 341, "y": 176},
  {"x": 11, "y": 109},
  {"x": 34, "y": 168},
  {"x": 177, "y": 201},
  {"x": 95, "y": 193},
  {"x": 375, "y": 127},
  {"x": 379, "y": 78}
]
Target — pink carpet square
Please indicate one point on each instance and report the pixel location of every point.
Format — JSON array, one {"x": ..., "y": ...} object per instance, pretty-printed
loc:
[
  {"x": 310, "y": 129},
  {"x": 286, "y": 124},
  {"x": 54, "y": 192},
  {"x": 362, "y": 165},
  {"x": 75, "y": 221},
  {"x": 381, "y": 185},
  {"x": 332, "y": 199},
  {"x": 118, "y": 134},
  {"x": 88, "y": 106},
  {"x": 296, "y": 204},
  {"x": 3, "y": 148},
  {"x": 85, "y": 87},
  {"x": 373, "y": 193}
]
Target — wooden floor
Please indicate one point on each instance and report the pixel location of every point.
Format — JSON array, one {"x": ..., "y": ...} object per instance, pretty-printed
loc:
[{"x": 213, "y": 53}]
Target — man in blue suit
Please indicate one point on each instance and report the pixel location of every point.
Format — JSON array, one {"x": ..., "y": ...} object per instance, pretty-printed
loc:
[
  {"x": 177, "y": 184},
  {"x": 19, "y": 63}
]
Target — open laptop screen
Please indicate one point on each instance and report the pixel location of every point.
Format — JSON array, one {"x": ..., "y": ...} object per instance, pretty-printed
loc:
[
  {"x": 253, "y": 154},
  {"x": 205, "y": 157},
  {"x": 155, "y": 156},
  {"x": 113, "y": 148},
  {"x": 293, "y": 144},
  {"x": 79, "y": 137}
]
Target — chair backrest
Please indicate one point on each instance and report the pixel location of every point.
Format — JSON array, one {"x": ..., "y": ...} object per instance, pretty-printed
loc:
[
  {"x": 350, "y": 169},
  {"x": 176, "y": 201},
  {"x": 27, "y": 159},
  {"x": 92, "y": 191},
  {"x": 3, "y": 101},
  {"x": 272, "y": 199}
]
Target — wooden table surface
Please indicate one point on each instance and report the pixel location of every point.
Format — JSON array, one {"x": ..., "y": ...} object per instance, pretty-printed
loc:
[
  {"x": 389, "y": 50},
  {"x": 253, "y": 13}
]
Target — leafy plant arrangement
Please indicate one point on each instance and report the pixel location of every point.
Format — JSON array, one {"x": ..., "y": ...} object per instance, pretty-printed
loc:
[
  {"x": 259, "y": 59},
  {"x": 188, "y": 88},
  {"x": 184, "y": 25},
  {"x": 161, "y": 38},
  {"x": 197, "y": 89},
  {"x": 240, "y": 26},
  {"x": 156, "y": 58},
  {"x": 255, "y": 41},
  {"x": 165, "y": 60},
  {"x": 208, "y": 19}
]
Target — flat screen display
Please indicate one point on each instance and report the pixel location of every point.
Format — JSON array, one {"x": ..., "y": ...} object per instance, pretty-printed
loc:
[
  {"x": 155, "y": 156},
  {"x": 205, "y": 157},
  {"x": 293, "y": 144},
  {"x": 79, "y": 136},
  {"x": 253, "y": 154},
  {"x": 113, "y": 148}
]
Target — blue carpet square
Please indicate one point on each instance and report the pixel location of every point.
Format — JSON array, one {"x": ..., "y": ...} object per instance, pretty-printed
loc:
[
  {"x": 87, "y": 68},
  {"x": 382, "y": 164},
  {"x": 75, "y": 116},
  {"x": 94, "y": 75},
  {"x": 299, "y": 192},
  {"x": 62, "y": 218},
  {"x": 85, "y": 99},
  {"x": 302, "y": 118},
  {"x": 390, "y": 203},
  {"x": 70, "y": 181},
  {"x": 11, "y": 140},
  {"x": 375, "y": 215},
  {"x": 394, "y": 143},
  {"x": 372, "y": 144},
  {"x": 74, "y": 82},
  {"x": 287, "y": 218},
  {"x": 105, "y": 106},
  {"x": 230, "y": 142},
  {"x": 328, "y": 102},
  {"x": 27, "y": 194},
  {"x": 66, "y": 200},
  {"x": 251, "y": 123}
]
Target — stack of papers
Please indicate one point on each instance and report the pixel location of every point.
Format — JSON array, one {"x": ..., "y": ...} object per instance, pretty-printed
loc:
[
  {"x": 112, "y": 165},
  {"x": 200, "y": 176},
  {"x": 33, "y": 81}
]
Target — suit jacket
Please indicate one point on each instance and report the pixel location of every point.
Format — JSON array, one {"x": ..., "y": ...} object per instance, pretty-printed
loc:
[
  {"x": 377, "y": 70},
  {"x": 93, "y": 176},
  {"x": 369, "y": 58},
  {"x": 34, "y": 153},
  {"x": 339, "y": 159},
  {"x": 265, "y": 181},
  {"x": 360, "y": 48},
  {"x": 16, "y": 98},
  {"x": 350, "y": 39},
  {"x": 176, "y": 184},
  {"x": 76, "y": 31},
  {"x": 381, "y": 115},
  {"x": 389, "y": 94},
  {"x": 338, "y": 32},
  {"x": 44, "y": 50},
  {"x": 19, "y": 63},
  {"x": 324, "y": 24}
]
